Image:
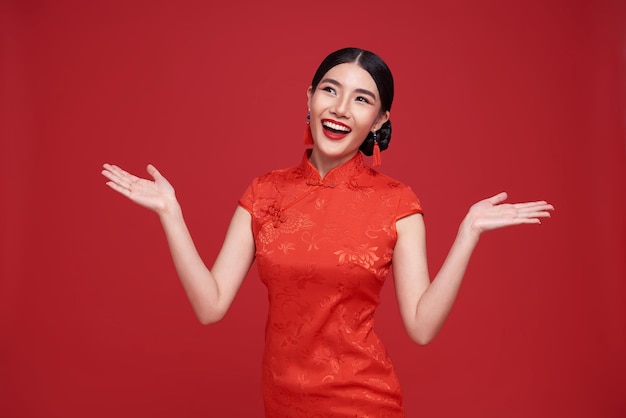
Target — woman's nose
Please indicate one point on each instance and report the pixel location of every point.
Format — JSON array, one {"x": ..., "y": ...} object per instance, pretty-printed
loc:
[{"x": 341, "y": 108}]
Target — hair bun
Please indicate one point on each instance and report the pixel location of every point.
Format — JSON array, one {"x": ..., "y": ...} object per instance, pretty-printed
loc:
[{"x": 384, "y": 136}]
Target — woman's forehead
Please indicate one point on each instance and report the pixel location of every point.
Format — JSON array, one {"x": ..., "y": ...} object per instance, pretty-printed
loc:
[{"x": 351, "y": 75}]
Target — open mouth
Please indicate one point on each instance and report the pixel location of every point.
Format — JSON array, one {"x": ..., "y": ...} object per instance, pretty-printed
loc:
[{"x": 335, "y": 128}]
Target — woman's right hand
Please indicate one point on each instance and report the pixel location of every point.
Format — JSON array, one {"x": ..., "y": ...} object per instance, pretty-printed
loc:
[{"x": 157, "y": 195}]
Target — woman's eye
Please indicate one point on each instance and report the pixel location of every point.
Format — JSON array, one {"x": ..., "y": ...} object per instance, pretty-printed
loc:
[
  {"x": 329, "y": 89},
  {"x": 362, "y": 99}
]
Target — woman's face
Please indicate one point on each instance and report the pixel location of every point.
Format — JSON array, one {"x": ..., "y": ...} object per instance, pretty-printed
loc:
[{"x": 345, "y": 107}]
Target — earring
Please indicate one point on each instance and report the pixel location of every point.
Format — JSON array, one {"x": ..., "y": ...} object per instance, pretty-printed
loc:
[
  {"x": 308, "y": 138},
  {"x": 377, "y": 160}
]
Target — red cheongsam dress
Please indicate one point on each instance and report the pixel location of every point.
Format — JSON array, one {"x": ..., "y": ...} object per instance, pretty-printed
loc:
[{"x": 323, "y": 249}]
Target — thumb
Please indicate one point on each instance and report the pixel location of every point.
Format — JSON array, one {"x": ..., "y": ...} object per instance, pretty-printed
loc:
[
  {"x": 499, "y": 198},
  {"x": 153, "y": 172}
]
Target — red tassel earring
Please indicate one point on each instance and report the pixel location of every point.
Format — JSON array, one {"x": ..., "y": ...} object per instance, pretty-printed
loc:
[
  {"x": 308, "y": 138},
  {"x": 377, "y": 160}
]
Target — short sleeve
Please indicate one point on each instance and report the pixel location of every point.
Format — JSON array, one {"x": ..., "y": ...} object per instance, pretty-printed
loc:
[
  {"x": 247, "y": 199},
  {"x": 408, "y": 203}
]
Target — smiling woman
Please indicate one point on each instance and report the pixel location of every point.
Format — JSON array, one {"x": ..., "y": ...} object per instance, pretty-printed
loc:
[
  {"x": 374, "y": 73},
  {"x": 345, "y": 108},
  {"x": 325, "y": 234}
]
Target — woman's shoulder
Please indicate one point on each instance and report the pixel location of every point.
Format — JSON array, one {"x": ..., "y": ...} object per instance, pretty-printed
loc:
[
  {"x": 395, "y": 190},
  {"x": 387, "y": 181},
  {"x": 267, "y": 186},
  {"x": 279, "y": 174}
]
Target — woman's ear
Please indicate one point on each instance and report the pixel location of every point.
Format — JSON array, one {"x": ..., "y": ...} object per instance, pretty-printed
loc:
[
  {"x": 384, "y": 117},
  {"x": 309, "y": 95}
]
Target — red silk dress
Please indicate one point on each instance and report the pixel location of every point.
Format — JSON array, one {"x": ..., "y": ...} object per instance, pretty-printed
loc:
[{"x": 323, "y": 249}]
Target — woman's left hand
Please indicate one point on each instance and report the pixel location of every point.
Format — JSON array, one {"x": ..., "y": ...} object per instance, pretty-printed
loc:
[{"x": 493, "y": 213}]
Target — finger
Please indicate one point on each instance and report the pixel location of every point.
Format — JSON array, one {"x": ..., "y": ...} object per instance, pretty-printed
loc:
[
  {"x": 534, "y": 207},
  {"x": 497, "y": 199},
  {"x": 530, "y": 204},
  {"x": 106, "y": 173},
  {"x": 114, "y": 176},
  {"x": 152, "y": 170},
  {"x": 527, "y": 204},
  {"x": 115, "y": 169},
  {"x": 120, "y": 189},
  {"x": 528, "y": 221},
  {"x": 121, "y": 173},
  {"x": 112, "y": 172},
  {"x": 123, "y": 177},
  {"x": 108, "y": 170},
  {"x": 536, "y": 214}
]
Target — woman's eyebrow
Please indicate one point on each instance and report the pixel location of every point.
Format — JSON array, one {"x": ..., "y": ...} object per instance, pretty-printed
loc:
[{"x": 338, "y": 84}]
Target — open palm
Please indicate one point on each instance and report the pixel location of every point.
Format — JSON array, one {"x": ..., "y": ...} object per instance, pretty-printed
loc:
[
  {"x": 156, "y": 195},
  {"x": 493, "y": 213}
]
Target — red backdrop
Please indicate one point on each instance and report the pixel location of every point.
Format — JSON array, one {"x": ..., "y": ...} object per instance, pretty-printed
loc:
[{"x": 527, "y": 97}]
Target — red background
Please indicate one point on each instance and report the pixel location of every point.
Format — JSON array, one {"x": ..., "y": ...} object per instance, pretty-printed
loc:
[{"x": 527, "y": 97}]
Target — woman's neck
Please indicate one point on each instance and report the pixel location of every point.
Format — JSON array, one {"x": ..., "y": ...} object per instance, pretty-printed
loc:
[{"x": 325, "y": 164}]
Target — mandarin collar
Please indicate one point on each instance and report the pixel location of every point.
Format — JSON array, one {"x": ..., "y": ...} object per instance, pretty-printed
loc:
[{"x": 346, "y": 172}]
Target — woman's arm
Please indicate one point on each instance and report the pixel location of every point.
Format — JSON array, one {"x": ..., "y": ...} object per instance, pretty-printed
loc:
[
  {"x": 210, "y": 292},
  {"x": 425, "y": 305}
]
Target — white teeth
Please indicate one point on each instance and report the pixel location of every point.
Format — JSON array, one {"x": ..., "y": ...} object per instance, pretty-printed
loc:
[{"x": 335, "y": 127}]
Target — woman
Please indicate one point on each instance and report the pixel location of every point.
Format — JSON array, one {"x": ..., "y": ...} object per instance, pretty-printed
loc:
[{"x": 324, "y": 234}]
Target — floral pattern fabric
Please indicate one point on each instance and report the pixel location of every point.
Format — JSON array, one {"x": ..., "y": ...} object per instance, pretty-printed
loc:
[{"x": 324, "y": 249}]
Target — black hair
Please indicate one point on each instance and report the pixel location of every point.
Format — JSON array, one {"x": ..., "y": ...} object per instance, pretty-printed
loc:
[{"x": 380, "y": 72}]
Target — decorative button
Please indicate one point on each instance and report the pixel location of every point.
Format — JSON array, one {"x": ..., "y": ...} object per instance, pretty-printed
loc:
[{"x": 276, "y": 212}]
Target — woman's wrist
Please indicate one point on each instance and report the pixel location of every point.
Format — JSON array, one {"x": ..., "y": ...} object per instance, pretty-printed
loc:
[
  {"x": 170, "y": 211},
  {"x": 467, "y": 232}
]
